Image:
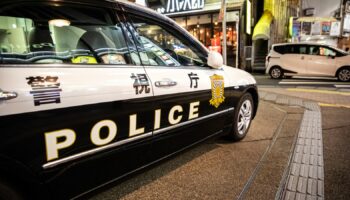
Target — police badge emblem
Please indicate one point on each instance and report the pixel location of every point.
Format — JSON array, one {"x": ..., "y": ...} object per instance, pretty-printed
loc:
[{"x": 217, "y": 90}]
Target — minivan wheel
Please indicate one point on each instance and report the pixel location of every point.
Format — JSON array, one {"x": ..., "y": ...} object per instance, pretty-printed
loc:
[
  {"x": 276, "y": 73},
  {"x": 344, "y": 74},
  {"x": 242, "y": 117}
]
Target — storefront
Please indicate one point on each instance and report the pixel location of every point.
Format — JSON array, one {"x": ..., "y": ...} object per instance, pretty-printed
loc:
[{"x": 201, "y": 19}]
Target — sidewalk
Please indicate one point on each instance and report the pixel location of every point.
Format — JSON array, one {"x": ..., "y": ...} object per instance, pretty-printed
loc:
[
  {"x": 305, "y": 181},
  {"x": 304, "y": 175}
]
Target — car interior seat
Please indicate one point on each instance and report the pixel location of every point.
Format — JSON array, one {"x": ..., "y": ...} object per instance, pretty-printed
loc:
[
  {"x": 92, "y": 40},
  {"x": 40, "y": 39},
  {"x": 315, "y": 51}
]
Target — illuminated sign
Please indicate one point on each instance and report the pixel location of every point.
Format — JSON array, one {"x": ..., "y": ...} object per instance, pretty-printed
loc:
[
  {"x": 173, "y": 6},
  {"x": 249, "y": 17}
]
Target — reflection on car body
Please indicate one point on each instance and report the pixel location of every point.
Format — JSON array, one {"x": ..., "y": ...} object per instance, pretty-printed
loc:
[{"x": 87, "y": 96}]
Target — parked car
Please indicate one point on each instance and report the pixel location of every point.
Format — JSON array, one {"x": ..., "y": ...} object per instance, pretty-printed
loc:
[
  {"x": 93, "y": 90},
  {"x": 307, "y": 59}
]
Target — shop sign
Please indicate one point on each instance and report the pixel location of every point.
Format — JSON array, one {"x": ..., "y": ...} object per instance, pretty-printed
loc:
[
  {"x": 296, "y": 28},
  {"x": 347, "y": 23},
  {"x": 316, "y": 28},
  {"x": 306, "y": 28},
  {"x": 335, "y": 29},
  {"x": 174, "y": 6},
  {"x": 326, "y": 28},
  {"x": 309, "y": 11}
]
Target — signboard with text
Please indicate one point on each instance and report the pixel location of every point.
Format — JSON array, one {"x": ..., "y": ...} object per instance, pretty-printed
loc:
[
  {"x": 335, "y": 29},
  {"x": 174, "y": 6}
]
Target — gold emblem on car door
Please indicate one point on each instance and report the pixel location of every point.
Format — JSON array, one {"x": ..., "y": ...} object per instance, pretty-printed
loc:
[{"x": 217, "y": 90}]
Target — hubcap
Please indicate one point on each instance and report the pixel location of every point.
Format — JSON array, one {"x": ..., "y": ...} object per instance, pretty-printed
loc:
[
  {"x": 244, "y": 117},
  {"x": 344, "y": 75},
  {"x": 276, "y": 73}
]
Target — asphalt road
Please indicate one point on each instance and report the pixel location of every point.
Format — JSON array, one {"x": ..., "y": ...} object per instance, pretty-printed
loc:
[
  {"x": 336, "y": 137},
  {"x": 220, "y": 169},
  {"x": 265, "y": 80}
]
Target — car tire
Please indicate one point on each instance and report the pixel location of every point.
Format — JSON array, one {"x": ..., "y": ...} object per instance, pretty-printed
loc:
[
  {"x": 8, "y": 193},
  {"x": 276, "y": 72},
  {"x": 242, "y": 117},
  {"x": 344, "y": 74}
]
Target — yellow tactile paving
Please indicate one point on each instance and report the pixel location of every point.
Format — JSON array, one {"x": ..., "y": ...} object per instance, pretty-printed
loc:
[
  {"x": 318, "y": 91},
  {"x": 334, "y": 105}
]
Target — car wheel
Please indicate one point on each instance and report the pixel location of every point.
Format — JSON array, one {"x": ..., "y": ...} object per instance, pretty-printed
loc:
[
  {"x": 8, "y": 193},
  {"x": 242, "y": 117},
  {"x": 344, "y": 74},
  {"x": 276, "y": 73}
]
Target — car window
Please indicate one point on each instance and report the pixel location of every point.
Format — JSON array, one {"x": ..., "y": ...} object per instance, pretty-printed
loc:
[
  {"x": 295, "y": 49},
  {"x": 162, "y": 48},
  {"x": 324, "y": 51},
  {"x": 59, "y": 34},
  {"x": 280, "y": 49},
  {"x": 314, "y": 50}
]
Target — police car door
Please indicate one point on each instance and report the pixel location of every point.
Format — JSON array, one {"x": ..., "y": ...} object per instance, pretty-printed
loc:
[
  {"x": 189, "y": 96},
  {"x": 74, "y": 99}
]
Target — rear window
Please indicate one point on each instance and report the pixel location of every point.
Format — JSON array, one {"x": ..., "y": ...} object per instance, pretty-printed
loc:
[
  {"x": 61, "y": 34},
  {"x": 279, "y": 49},
  {"x": 291, "y": 49}
]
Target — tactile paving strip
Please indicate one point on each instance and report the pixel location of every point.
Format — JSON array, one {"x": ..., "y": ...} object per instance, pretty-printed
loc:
[
  {"x": 306, "y": 175},
  {"x": 305, "y": 179}
]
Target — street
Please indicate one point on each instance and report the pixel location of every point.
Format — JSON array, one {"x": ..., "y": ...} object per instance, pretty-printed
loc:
[{"x": 265, "y": 164}]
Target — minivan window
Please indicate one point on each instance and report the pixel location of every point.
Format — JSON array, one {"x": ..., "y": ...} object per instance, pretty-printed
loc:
[
  {"x": 322, "y": 51},
  {"x": 60, "y": 34},
  {"x": 314, "y": 50},
  {"x": 280, "y": 49},
  {"x": 296, "y": 49},
  {"x": 162, "y": 48}
]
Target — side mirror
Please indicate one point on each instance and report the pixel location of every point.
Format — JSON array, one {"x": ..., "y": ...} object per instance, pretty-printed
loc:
[{"x": 215, "y": 60}]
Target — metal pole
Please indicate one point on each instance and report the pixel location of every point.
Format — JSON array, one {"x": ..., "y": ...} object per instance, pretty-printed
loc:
[
  {"x": 238, "y": 42},
  {"x": 224, "y": 42},
  {"x": 342, "y": 15}
]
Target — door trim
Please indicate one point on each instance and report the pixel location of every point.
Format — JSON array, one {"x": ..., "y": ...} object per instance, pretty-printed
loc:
[{"x": 191, "y": 121}]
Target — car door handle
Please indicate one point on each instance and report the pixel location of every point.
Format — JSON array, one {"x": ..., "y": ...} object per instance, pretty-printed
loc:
[
  {"x": 4, "y": 95},
  {"x": 165, "y": 83}
]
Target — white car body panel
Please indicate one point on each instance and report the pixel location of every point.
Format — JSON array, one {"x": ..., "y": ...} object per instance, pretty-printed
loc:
[
  {"x": 306, "y": 64},
  {"x": 80, "y": 86}
]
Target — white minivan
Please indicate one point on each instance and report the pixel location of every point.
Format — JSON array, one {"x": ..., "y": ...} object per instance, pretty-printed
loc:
[{"x": 307, "y": 59}]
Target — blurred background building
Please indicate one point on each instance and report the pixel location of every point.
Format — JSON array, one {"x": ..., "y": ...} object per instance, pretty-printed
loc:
[
  {"x": 252, "y": 26},
  {"x": 201, "y": 19}
]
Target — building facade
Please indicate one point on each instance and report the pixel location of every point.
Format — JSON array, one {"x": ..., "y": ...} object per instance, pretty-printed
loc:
[
  {"x": 201, "y": 19},
  {"x": 272, "y": 27}
]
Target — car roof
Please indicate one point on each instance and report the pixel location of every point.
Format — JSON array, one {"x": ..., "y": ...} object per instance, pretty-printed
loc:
[
  {"x": 125, "y": 2},
  {"x": 300, "y": 43},
  {"x": 306, "y": 43},
  {"x": 133, "y": 6}
]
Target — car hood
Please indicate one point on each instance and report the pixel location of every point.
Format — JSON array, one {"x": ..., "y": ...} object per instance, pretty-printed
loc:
[{"x": 239, "y": 77}]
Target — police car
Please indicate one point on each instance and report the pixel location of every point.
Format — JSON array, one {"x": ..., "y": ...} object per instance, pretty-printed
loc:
[{"x": 92, "y": 90}]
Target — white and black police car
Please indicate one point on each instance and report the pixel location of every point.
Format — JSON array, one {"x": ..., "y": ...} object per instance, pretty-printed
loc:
[{"x": 92, "y": 90}]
